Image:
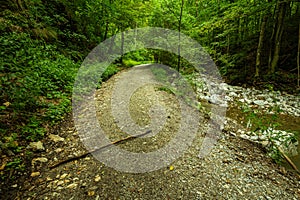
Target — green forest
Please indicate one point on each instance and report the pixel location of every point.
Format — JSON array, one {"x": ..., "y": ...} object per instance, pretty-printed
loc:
[{"x": 43, "y": 43}]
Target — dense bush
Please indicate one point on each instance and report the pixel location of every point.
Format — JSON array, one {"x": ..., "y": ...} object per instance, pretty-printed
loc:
[{"x": 36, "y": 85}]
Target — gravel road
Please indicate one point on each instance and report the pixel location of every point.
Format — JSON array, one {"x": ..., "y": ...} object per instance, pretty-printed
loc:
[{"x": 235, "y": 168}]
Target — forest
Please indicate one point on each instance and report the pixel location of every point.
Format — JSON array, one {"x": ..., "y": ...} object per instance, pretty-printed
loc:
[{"x": 254, "y": 43}]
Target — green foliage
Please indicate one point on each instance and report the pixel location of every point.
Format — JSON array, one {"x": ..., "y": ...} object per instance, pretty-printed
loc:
[
  {"x": 166, "y": 89},
  {"x": 259, "y": 123},
  {"x": 136, "y": 58},
  {"x": 33, "y": 130},
  {"x": 56, "y": 112},
  {"x": 130, "y": 63},
  {"x": 11, "y": 143},
  {"x": 109, "y": 72},
  {"x": 37, "y": 83},
  {"x": 16, "y": 164}
]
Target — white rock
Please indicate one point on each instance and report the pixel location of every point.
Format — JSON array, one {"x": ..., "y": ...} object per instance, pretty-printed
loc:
[
  {"x": 63, "y": 176},
  {"x": 248, "y": 101},
  {"x": 58, "y": 150},
  {"x": 41, "y": 159},
  {"x": 269, "y": 99},
  {"x": 264, "y": 143},
  {"x": 244, "y": 136},
  {"x": 97, "y": 178},
  {"x": 227, "y": 98},
  {"x": 233, "y": 94},
  {"x": 38, "y": 146},
  {"x": 72, "y": 185},
  {"x": 259, "y": 102},
  {"x": 34, "y": 174},
  {"x": 56, "y": 138},
  {"x": 254, "y": 138},
  {"x": 60, "y": 182}
]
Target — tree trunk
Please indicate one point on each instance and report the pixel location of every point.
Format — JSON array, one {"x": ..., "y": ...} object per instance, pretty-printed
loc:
[
  {"x": 106, "y": 30},
  {"x": 279, "y": 31},
  {"x": 298, "y": 58},
  {"x": 228, "y": 43},
  {"x": 179, "y": 29},
  {"x": 275, "y": 15},
  {"x": 122, "y": 46},
  {"x": 197, "y": 7},
  {"x": 260, "y": 45}
]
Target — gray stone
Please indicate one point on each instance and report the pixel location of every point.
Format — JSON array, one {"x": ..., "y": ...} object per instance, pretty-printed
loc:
[
  {"x": 37, "y": 146},
  {"x": 259, "y": 102},
  {"x": 56, "y": 138}
]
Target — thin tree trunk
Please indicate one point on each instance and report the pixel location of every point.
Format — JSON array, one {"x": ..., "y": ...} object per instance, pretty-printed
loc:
[
  {"x": 197, "y": 11},
  {"x": 106, "y": 30},
  {"x": 228, "y": 43},
  {"x": 112, "y": 41},
  {"x": 240, "y": 30},
  {"x": 122, "y": 46},
  {"x": 298, "y": 58},
  {"x": 260, "y": 45},
  {"x": 275, "y": 15},
  {"x": 21, "y": 4},
  {"x": 279, "y": 31},
  {"x": 179, "y": 29}
]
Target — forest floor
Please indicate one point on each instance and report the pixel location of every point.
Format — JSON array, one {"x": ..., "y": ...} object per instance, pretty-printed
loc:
[{"x": 236, "y": 168}]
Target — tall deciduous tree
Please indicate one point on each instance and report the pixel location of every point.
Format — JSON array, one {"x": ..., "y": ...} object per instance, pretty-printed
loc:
[
  {"x": 179, "y": 31},
  {"x": 282, "y": 6},
  {"x": 260, "y": 45}
]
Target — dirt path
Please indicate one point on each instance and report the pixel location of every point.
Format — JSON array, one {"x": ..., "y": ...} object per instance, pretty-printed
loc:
[{"x": 235, "y": 169}]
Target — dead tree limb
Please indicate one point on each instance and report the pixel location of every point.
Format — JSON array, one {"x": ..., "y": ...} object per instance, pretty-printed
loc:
[{"x": 98, "y": 149}]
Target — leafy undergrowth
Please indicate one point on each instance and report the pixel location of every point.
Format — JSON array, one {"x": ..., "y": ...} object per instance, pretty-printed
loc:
[
  {"x": 36, "y": 89},
  {"x": 36, "y": 84}
]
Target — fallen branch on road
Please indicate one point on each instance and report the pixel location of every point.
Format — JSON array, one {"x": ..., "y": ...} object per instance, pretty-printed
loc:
[{"x": 98, "y": 149}]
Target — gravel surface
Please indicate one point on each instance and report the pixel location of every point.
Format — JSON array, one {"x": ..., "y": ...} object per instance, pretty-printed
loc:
[{"x": 235, "y": 169}]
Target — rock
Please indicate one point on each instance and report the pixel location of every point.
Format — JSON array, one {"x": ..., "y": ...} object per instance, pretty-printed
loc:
[
  {"x": 60, "y": 182},
  {"x": 72, "y": 186},
  {"x": 233, "y": 94},
  {"x": 63, "y": 176},
  {"x": 227, "y": 98},
  {"x": 36, "y": 146},
  {"x": 215, "y": 99},
  {"x": 58, "y": 150},
  {"x": 97, "y": 178},
  {"x": 93, "y": 188},
  {"x": 264, "y": 143},
  {"x": 56, "y": 138},
  {"x": 254, "y": 138},
  {"x": 248, "y": 101},
  {"x": 91, "y": 193},
  {"x": 40, "y": 159},
  {"x": 259, "y": 102},
  {"x": 34, "y": 174},
  {"x": 269, "y": 99},
  {"x": 224, "y": 86}
]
